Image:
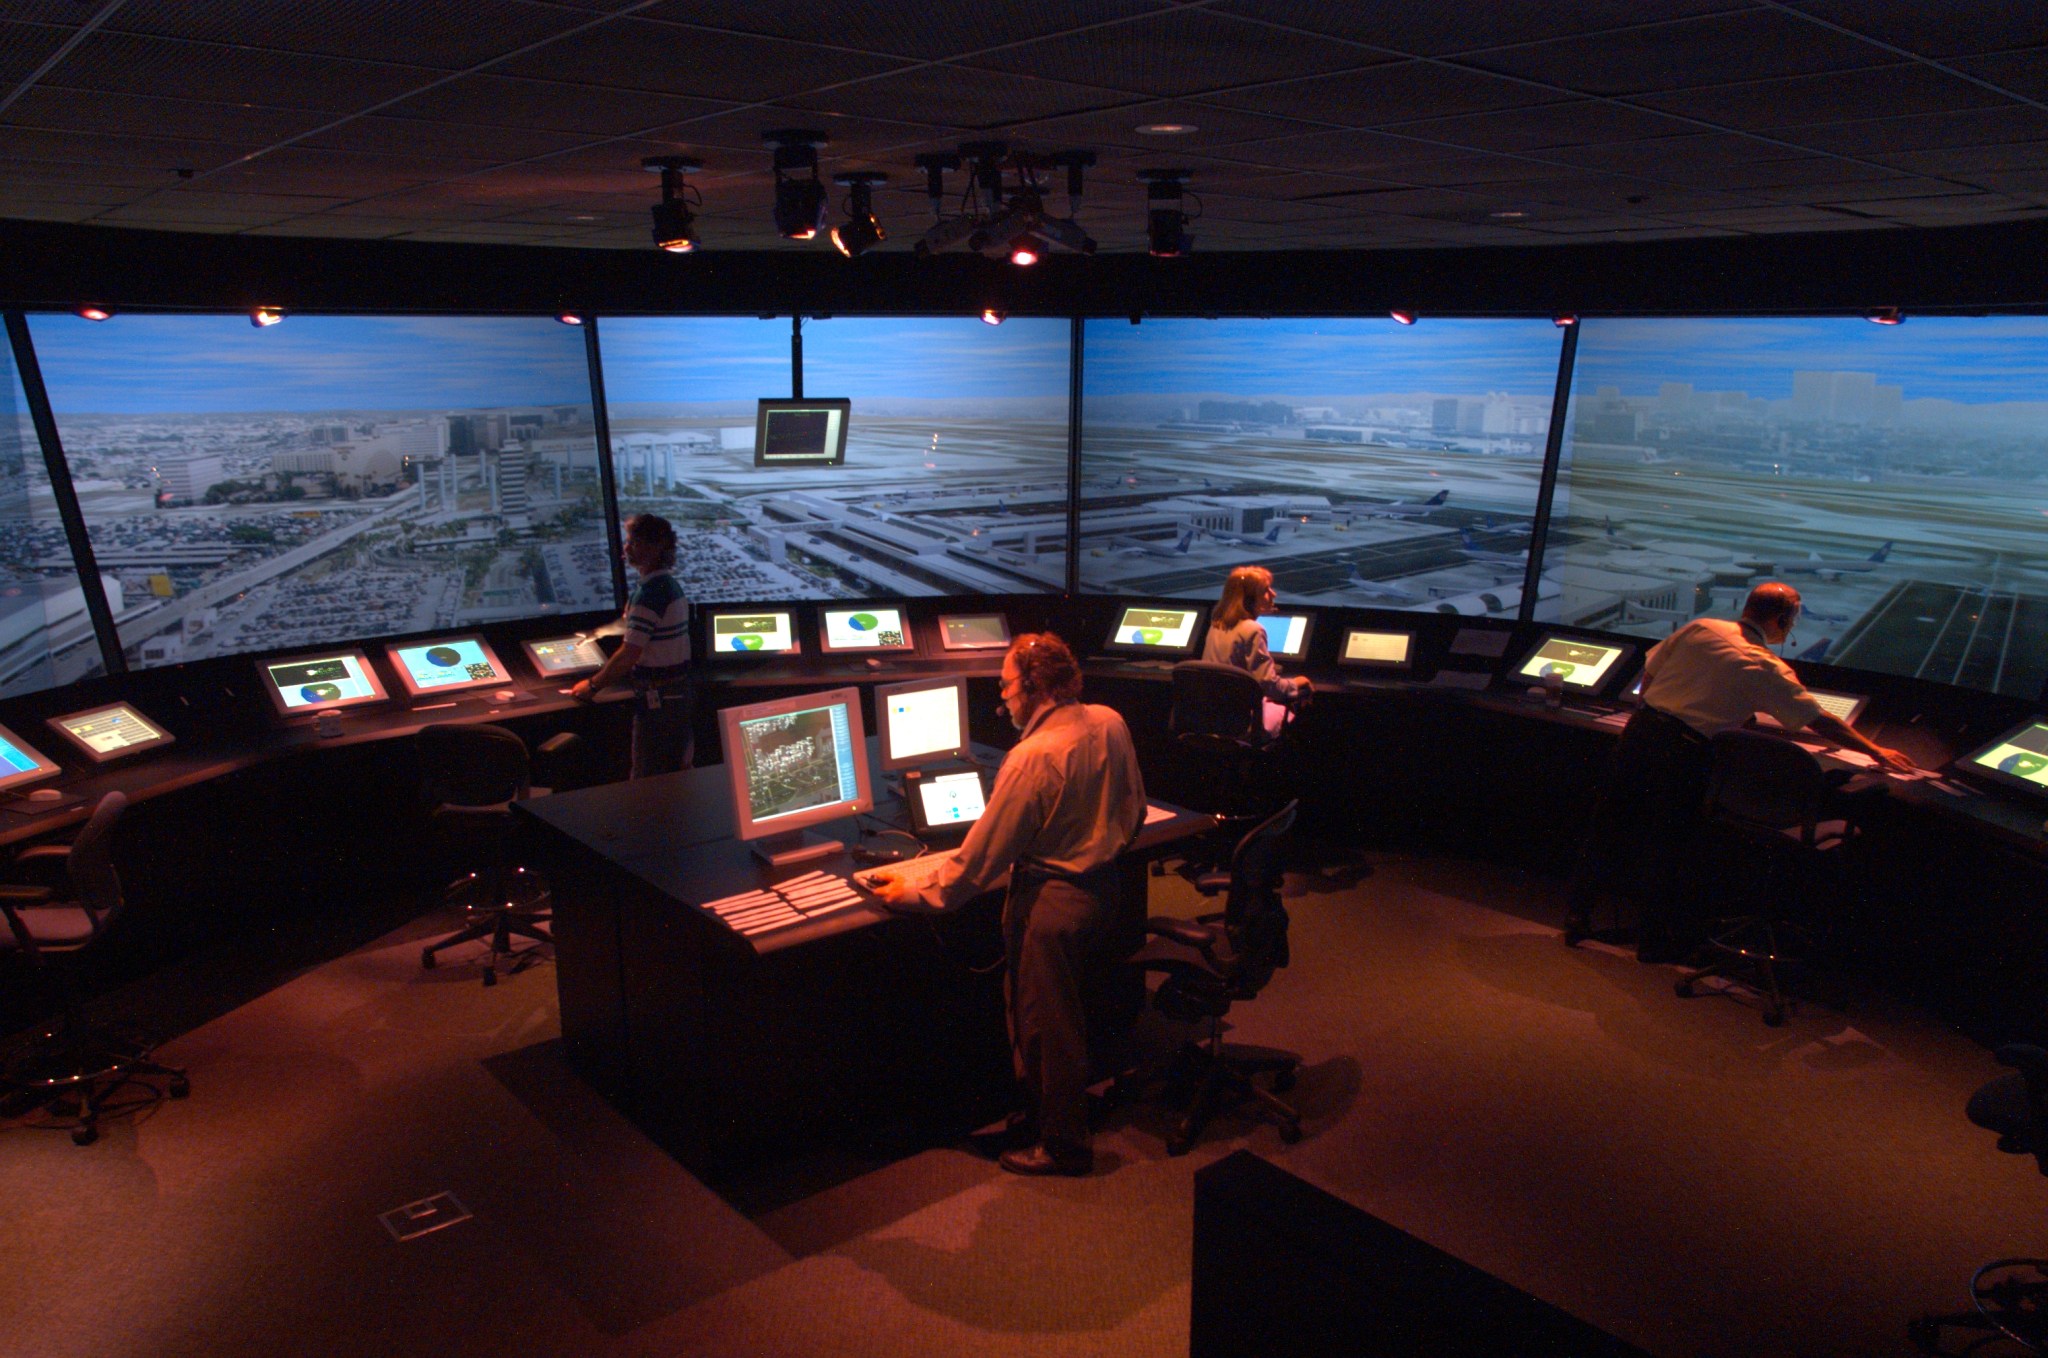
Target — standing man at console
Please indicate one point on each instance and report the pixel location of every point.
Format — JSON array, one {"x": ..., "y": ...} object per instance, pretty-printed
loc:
[
  {"x": 1709, "y": 676},
  {"x": 1067, "y": 800},
  {"x": 655, "y": 655},
  {"x": 1236, "y": 638}
]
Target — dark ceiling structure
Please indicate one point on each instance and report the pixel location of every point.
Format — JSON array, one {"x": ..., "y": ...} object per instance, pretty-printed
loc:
[{"x": 1356, "y": 125}]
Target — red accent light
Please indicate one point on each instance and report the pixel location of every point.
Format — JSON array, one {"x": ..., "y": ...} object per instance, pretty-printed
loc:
[
  {"x": 264, "y": 317},
  {"x": 569, "y": 318},
  {"x": 1563, "y": 320},
  {"x": 96, "y": 313},
  {"x": 1886, "y": 315},
  {"x": 990, "y": 316},
  {"x": 1023, "y": 252},
  {"x": 1404, "y": 317}
]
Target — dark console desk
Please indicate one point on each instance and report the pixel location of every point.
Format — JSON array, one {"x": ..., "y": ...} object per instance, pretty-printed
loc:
[{"x": 719, "y": 1044}]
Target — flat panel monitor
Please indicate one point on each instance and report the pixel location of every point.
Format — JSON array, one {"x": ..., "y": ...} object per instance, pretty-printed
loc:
[
  {"x": 864, "y": 627},
  {"x": 1373, "y": 649},
  {"x": 560, "y": 657},
  {"x": 113, "y": 732},
  {"x": 750, "y": 631},
  {"x": 321, "y": 682},
  {"x": 1585, "y": 666},
  {"x": 974, "y": 631},
  {"x": 946, "y": 802},
  {"x": 794, "y": 763},
  {"x": 1287, "y": 634},
  {"x": 923, "y": 721},
  {"x": 446, "y": 665},
  {"x": 1145, "y": 630},
  {"x": 21, "y": 764},
  {"x": 2018, "y": 759},
  {"x": 1844, "y": 707},
  {"x": 801, "y": 433}
]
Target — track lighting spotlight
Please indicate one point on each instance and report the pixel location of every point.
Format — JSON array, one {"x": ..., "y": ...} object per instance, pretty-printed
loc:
[
  {"x": 1003, "y": 205},
  {"x": 799, "y": 197},
  {"x": 263, "y": 317},
  {"x": 991, "y": 316},
  {"x": 1166, "y": 221},
  {"x": 569, "y": 318},
  {"x": 860, "y": 232},
  {"x": 1024, "y": 251},
  {"x": 675, "y": 226},
  {"x": 96, "y": 313},
  {"x": 1885, "y": 315},
  {"x": 1404, "y": 317}
]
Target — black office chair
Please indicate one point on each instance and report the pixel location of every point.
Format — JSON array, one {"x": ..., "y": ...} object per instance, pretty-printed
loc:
[
  {"x": 2008, "y": 1297},
  {"x": 1207, "y": 965},
  {"x": 74, "y": 1068},
  {"x": 471, "y": 775},
  {"x": 1229, "y": 764},
  {"x": 1772, "y": 797}
]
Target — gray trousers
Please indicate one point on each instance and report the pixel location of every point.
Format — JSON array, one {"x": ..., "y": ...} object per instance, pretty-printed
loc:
[
  {"x": 1049, "y": 927},
  {"x": 664, "y": 736}
]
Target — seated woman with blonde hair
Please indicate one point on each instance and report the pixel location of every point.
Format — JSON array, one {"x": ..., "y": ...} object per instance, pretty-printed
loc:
[{"x": 1235, "y": 638}]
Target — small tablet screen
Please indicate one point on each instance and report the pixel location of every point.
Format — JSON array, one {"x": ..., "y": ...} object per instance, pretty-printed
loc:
[
  {"x": 553, "y": 656},
  {"x": 1286, "y": 634},
  {"x": 951, "y": 799},
  {"x": 105, "y": 733},
  {"x": 974, "y": 631},
  {"x": 316, "y": 683},
  {"x": 447, "y": 665},
  {"x": 1582, "y": 665},
  {"x": 1383, "y": 650},
  {"x": 870, "y": 627},
  {"x": 20, "y": 765},
  {"x": 755, "y": 632}
]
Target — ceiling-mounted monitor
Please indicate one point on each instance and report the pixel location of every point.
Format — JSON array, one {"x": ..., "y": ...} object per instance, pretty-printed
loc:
[{"x": 801, "y": 433}]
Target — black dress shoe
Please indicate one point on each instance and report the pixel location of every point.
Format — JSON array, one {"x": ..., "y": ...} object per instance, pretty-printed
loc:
[
  {"x": 1049, "y": 1158},
  {"x": 1015, "y": 1132}
]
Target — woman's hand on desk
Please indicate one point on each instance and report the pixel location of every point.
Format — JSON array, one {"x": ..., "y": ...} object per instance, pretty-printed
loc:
[{"x": 582, "y": 692}]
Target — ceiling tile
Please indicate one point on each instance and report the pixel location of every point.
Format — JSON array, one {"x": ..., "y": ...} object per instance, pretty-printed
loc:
[
  {"x": 1926, "y": 132},
  {"x": 1748, "y": 45},
  {"x": 1582, "y": 122},
  {"x": 458, "y": 141},
  {"x": 1963, "y": 161},
  {"x": 24, "y": 47},
  {"x": 1215, "y": 127},
  {"x": 1179, "y": 52},
  {"x": 502, "y": 101},
  {"x": 924, "y": 32},
  {"x": 200, "y": 120},
  {"x": 1935, "y": 30},
  {"x": 1397, "y": 93},
  {"x": 1770, "y": 105},
  {"x": 953, "y": 97},
  {"x": 163, "y": 154},
  {"x": 446, "y": 35},
  {"x": 673, "y": 59},
  {"x": 1436, "y": 30},
  {"x": 2024, "y": 74}
]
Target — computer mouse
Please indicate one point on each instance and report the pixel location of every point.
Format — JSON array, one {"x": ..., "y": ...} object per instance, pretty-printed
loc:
[
  {"x": 46, "y": 794},
  {"x": 873, "y": 663},
  {"x": 504, "y": 695}
]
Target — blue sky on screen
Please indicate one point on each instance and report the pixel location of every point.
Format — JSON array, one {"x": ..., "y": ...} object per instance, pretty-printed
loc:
[
  {"x": 195, "y": 364},
  {"x": 935, "y": 358},
  {"x": 1969, "y": 359},
  {"x": 682, "y": 359},
  {"x": 1307, "y": 358}
]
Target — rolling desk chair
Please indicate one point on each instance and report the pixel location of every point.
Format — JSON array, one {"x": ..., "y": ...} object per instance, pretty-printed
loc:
[
  {"x": 1212, "y": 962},
  {"x": 2008, "y": 1297},
  {"x": 1218, "y": 725},
  {"x": 471, "y": 775},
  {"x": 72, "y": 1066},
  {"x": 1772, "y": 796}
]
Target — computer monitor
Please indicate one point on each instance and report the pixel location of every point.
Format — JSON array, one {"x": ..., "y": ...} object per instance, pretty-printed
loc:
[
  {"x": 945, "y": 802},
  {"x": 2017, "y": 760},
  {"x": 446, "y": 665},
  {"x": 1844, "y": 707},
  {"x": 974, "y": 631},
  {"x": 321, "y": 682},
  {"x": 560, "y": 657},
  {"x": 21, "y": 764},
  {"x": 1374, "y": 649},
  {"x": 923, "y": 721},
  {"x": 1145, "y": 630},
  {"x": 794, "y": 763},
  {"x": 1584, "y": 665},
  {"x": 750, "y": 631},
  {"x": 112, "y": 732},
  {"x": 801, "y": 433},
  {"x": 1287, "y": 634},
  {"x": 863, "y": 627}
]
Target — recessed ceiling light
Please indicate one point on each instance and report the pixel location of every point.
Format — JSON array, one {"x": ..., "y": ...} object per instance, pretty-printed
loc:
[{"x": 1167, "y": 129}]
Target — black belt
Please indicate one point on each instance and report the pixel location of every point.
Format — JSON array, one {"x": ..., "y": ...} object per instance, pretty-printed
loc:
[{"x": 1679, "y": 724}]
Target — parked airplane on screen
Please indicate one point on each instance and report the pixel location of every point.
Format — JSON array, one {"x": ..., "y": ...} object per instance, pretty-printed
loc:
[
  {"x": 1472, "y": 551},
  {"x": 1826, "y": 569},
  {"x": 1816, "y": 652},
  {"x": 1271, "y": 536},
  {"x": 1379, "y": 589},
  {"x": 1139, "y": 547},
  {"x": 1404, "y": 509}
]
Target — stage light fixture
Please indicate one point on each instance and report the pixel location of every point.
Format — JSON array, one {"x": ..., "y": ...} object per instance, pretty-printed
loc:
[
  {"x": 675, "y": 226},
  {"x": 1404, "y": 317},
  {"x": 1166, "y": 220},
  {"x": 1024, "y": 251},
  {"x": 991, "y": 316},
  {"x": 799, "y": 196},
  {"x": 1885, "y": 315},
  {"x": 96, "y": 313},
  {"x": 1563, "y": 319},
  {"x": 1003, "y": 204},
  {"x": 860, "y": 232},
  {"x": 263, "y": 317}
]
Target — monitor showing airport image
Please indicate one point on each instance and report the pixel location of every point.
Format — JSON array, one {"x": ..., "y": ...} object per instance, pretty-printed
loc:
[
  {"x": 795, "y": 763},
  {"x": 113, "y": 732},
  {"x": 1580, "y": 664},
  {"x": 868, "y": 627},
  {"x": 974, "y": 631},
  {"x": 1146, "y": 630},
  {"x": 750, "y": 631},
  {"x": 446, "y": 665},
  {"x": 1287, "y": 634},
  {"x": 559, "y": 657},
  {"x": 923, "y": 721},
  {"x": 801, "y": 433},
  {"x": 947, "y": 801},
  {"x": 321, "y": 682},
  {"x": 21, "y": 764},
  {"x": 1372, "y": 649},
  {"x": 2018, "y": 759}
]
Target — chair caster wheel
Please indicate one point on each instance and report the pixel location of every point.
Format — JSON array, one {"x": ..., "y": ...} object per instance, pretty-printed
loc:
[
  {"x": 181, "y": 1088},
  {"x": 84, "y": 1136},
  {"x": 1290, "y": 1133},
  {"x": 491, "y": 976},
  {"x": 1283, "y": 1081},
  {"x": 427, "y": 960},
  {"x": 1682, "y": 989}
]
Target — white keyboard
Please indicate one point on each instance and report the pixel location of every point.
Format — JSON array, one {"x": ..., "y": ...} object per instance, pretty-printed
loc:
[
  {"x": 814, "y": 895},
  {"x": 918, "y": 873}
]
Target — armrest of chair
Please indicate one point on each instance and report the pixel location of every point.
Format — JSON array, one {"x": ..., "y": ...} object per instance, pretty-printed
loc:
[
  {"x": 1213, "y": 883},
  {"x": 1188, "y": 932},
  {"x": 13, "y": 897}
]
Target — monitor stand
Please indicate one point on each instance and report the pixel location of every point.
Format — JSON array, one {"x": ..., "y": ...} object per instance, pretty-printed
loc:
[{"x": 796, "y": 846}]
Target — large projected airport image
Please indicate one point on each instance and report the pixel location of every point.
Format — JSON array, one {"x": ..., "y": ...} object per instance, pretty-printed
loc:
[
  {"x": 46, "y": 636},
  {"x": 329, "y": 478},
  {"x": 1367, "y": 464},
  {"x": 1896, "y": 475},
  {"x": 955, "y": 478}
]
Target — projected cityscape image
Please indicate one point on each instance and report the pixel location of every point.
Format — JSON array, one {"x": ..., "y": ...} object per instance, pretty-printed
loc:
[{"x": 331, "y": 478}]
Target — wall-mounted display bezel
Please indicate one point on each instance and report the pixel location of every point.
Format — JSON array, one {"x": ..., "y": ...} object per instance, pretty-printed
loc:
[
  {"x": 293, "y": 682},
  {"x": 451, "y": 664},
  {"x": 114, "y": 731},
  {"x": 974, "y": 631}
]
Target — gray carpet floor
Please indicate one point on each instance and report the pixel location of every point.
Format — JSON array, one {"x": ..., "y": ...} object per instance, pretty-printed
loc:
[{"x": 1674, "y": 1171}]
